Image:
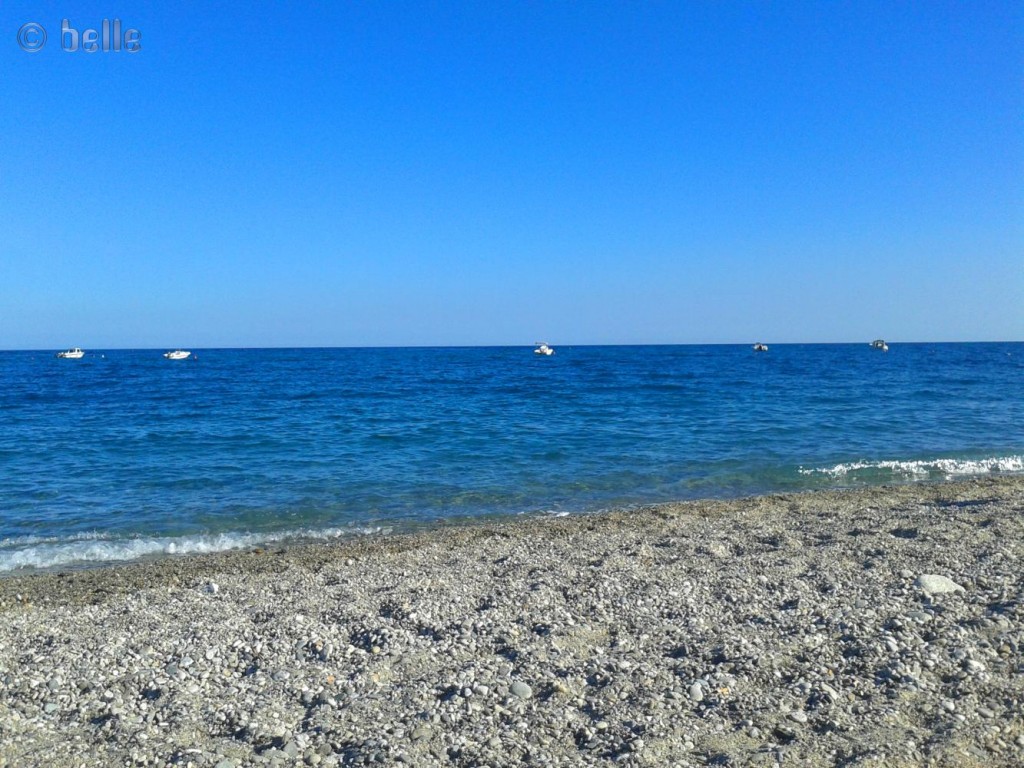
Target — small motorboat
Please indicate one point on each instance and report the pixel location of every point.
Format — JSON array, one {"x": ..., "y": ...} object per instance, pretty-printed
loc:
[
  {"x": 178, "y": 354},
  {"x": 72, "y": 354},
  {"x": 759, "y": 347},
  {"x": 880, "y": 344},
  {"x": 543, "y": 349}
]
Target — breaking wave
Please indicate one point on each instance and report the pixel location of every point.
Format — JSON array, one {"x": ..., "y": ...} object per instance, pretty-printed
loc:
[
  {"x": 920, "y": 470},
  {"x": 36, "y": 552}
]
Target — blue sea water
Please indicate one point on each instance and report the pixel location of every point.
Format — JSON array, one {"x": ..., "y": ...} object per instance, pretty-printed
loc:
[{"x": 124, "y": 454}]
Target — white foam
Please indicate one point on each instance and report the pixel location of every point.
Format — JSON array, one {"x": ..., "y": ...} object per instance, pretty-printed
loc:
[
  {"x": 24, "y": 541},
  {"x": 81, "y": 549},
  {"x": 925, "y": 468},
  {"x": 544, "y": 513}
]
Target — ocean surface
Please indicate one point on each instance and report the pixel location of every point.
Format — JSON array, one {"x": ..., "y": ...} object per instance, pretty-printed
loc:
[{"x": 124, "y": 454}]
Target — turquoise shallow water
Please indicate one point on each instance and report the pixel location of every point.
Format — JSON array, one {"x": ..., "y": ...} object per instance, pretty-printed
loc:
[{"x": 124, "y": 454}]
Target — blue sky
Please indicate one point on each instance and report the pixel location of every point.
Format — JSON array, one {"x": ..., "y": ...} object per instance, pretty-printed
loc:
[{"x": 436, "y": 173}]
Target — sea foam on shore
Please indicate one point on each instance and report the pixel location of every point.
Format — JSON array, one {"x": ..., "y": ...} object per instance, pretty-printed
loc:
[{"x": 39, "y": 553}]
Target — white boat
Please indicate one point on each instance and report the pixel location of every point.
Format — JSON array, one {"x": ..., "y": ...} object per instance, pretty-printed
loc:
[
  {"x": 72, "y": 354},
  {"x": 543, "y": 349},
  {"x": 880, "y": 344},
  {"x": 178, "y": 354},
  {"x": 759, "y": 347}
]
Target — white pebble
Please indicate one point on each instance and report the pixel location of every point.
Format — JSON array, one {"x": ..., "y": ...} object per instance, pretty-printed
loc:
[{"x": 934, "y": 584}]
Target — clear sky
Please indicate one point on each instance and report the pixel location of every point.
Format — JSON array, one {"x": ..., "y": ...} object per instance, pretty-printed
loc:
[{"x": 335, "y": 174}]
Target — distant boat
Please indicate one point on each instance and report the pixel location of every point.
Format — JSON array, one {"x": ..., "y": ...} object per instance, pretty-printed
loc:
[
  {"x": 543, "y": 349},
  {"x": 759, "y": 347},
  {"x": 178, "y": 354},
  {"x": 880, "y": 344},
  {"x": 72, "y": 354}
]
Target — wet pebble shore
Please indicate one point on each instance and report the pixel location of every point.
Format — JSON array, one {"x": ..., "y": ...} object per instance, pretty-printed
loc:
[{"x": 873, "y": 627}]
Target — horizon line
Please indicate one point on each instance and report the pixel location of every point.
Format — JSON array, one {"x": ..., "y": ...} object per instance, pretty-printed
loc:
[{"x": 511, "y": 346}]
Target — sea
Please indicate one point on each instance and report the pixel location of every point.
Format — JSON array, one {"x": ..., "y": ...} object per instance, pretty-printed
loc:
[{"x": 123, "y": 454}]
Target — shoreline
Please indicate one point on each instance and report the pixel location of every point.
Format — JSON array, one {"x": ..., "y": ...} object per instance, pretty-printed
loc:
[
  {"x": 744, "y": 630},
  {"x": 337, "y": 537}
]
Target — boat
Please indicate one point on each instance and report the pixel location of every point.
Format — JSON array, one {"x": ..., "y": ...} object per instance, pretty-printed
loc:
[
  {"x": 543, "y": 349},
  {"x": 759, "y": 347},
  {"x": 178, "y": 354},
  {"x": 880, "y": 344},
  {"x": 72, "y": 354}
]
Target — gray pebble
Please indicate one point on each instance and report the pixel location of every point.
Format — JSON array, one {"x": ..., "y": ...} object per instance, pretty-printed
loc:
[{"x": 521, "y": 690}]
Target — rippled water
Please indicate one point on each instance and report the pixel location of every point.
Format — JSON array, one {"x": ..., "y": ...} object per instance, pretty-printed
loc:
[{"x": 124, "y": 453}]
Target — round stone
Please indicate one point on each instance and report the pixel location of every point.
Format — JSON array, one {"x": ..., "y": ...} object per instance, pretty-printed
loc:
[{"x": 521, "y": 690}]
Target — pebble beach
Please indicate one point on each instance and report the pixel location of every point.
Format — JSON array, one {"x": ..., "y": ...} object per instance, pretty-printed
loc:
[{"x": 881, "y": 626}]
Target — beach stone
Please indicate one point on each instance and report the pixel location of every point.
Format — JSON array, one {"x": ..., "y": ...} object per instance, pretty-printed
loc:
[
  {"x": 798, "y": 717},
  {"x": 697, "y": 692},
  {"x": 718, "y": 550},
  {"x": 935, "y": 584},
  {"x": 521, "y": 690}
]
